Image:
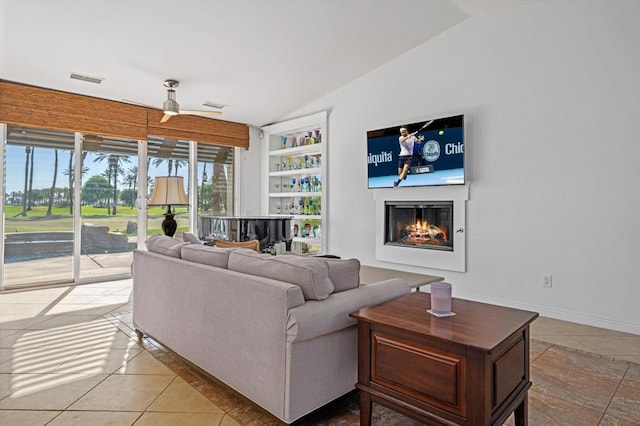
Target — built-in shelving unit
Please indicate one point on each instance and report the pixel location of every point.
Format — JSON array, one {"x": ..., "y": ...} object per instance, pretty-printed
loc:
[{"x": 294, "y": 170}]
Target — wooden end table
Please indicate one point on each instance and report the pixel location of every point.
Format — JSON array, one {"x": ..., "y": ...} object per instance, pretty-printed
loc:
[{"x": 467, "y": 369}]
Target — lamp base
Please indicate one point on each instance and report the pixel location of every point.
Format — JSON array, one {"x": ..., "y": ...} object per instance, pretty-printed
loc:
[{"x": 169, "y": 225}]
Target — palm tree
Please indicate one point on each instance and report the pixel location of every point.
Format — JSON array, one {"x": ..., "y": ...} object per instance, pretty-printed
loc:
[
  {"x": 70, "y": 173},
  {"x": 171, "y": 164},
  {"x": 114, "y": 164},
  {"x": 203, "y": 183},
  {"x": 219, "y": 183},
  {"x": 30, "y": 197},
  {"x": 107, "y": 174},
  {"x": 27, "y": 150},
  {"x": 131, "y": 179},
  {"x": 177, "y": 164},
  {"x": 53, "y": 185}
]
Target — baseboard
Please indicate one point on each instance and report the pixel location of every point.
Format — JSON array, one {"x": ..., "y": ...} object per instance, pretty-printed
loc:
[{"x": 559, "y": 314}]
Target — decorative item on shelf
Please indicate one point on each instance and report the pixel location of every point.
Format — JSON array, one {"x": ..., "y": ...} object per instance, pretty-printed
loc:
[
  {"x": 316, "y": 136},
  {"x": 284, "y": 142},
  {"x": 293, "y": 141},
  {"x": 169, "y": 191}
]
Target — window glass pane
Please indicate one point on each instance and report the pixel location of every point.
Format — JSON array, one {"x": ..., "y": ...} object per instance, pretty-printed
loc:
[
  {"x": 215, "y": 187},
  {"x": 167, "y": 157},
  {"x": 38, "y": 214}
]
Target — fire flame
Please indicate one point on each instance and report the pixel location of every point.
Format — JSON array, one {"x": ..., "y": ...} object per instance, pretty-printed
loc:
[{"x": 426, "y": 231}]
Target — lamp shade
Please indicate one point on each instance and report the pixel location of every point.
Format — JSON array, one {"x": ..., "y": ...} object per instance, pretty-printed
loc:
[{"x": 168, "y": 191}]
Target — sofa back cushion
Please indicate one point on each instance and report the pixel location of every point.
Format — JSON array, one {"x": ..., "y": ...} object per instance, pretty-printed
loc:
[
  {"x": 190, "y": 238},
  {"x": 344, "y": 273},
  {"x": 310, "y": 274},
  {"x": 207, "y": 255},
  {"x": 163, "y": 244}
]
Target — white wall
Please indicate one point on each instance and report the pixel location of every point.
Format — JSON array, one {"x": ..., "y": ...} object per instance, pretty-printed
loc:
[
  {"x": 249, "y": 185},
  {"x": 551, "y": 94}
]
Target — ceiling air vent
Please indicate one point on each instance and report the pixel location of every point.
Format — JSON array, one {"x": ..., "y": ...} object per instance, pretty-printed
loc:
[
  {"x": 213, "y": 105},
  {"x": 76, "y": 76}
]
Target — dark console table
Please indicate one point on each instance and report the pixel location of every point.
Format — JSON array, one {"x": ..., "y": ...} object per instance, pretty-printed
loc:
[
  {"x": 467, "y": 369},
  {"x": 266, "y": 229}
]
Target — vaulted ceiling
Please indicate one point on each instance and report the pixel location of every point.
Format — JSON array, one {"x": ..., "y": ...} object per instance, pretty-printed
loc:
[{"x": 262, "y": 59}]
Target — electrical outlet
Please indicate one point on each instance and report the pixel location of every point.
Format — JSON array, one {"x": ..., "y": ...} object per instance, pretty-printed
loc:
[{"x": 546, "y": 281}]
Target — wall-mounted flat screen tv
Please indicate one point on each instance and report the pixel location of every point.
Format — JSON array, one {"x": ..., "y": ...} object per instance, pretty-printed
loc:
[{"x": 433, "y": 151}]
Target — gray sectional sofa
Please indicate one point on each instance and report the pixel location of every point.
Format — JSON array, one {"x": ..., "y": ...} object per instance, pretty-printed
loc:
[{"x": 274, "y": 328}]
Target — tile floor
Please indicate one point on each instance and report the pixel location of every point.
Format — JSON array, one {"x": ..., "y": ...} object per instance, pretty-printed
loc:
[{"x": 69, "y": 356}]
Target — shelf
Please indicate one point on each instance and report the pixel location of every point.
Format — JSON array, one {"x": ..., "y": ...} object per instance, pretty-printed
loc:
[
  {"x": 316, "y": 148},
  {"x": 294, "y": 194},
  {"x": 295, "y": 172},
  {"x": 297, "y": 216},
  {"x": 307, "y": 240},
  {"x": 278, "y": 178},
  {"x": 306, "y": 216}
]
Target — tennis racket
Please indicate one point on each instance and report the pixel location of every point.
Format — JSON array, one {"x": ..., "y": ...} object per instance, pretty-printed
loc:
[{"x": 424, "y": 126}]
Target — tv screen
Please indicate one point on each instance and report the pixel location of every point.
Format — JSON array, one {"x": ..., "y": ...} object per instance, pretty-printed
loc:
[{"x": 432, "y": 153}]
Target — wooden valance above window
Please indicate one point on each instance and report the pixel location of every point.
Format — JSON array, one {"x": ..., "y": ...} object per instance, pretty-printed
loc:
[{"x": 31, "y": 106}]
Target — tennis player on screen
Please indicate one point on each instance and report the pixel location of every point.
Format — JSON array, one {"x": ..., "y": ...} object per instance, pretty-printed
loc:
[{"x": 406, "y": 141}]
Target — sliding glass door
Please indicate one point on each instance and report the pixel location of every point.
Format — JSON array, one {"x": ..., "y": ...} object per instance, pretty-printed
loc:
[
  {"x": 39, "y": 220},
  {"x": 109, "y": 229},
  {"x": 72, "y": 201}
]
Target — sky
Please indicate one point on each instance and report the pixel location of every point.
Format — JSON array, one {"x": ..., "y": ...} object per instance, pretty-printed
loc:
[{"x": 44, "y": 165}]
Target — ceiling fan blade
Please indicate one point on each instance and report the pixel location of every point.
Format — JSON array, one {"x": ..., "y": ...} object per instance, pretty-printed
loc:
[
  {"x": 139, "y": 104},
  {"x": 165, "y": 118},
  {"x": 198, "y": 112}
]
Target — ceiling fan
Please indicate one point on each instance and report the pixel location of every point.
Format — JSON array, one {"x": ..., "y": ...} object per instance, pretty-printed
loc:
[{"x": 170, "y": 107}]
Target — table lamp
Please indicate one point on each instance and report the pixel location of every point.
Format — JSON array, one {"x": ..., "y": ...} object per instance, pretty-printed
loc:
[{"x": 169, "y": 191}]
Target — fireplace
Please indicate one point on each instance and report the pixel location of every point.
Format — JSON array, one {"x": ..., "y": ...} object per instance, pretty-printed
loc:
[
  {"x": 419, "y": 224},
  {"x": 438, "y": 241}
]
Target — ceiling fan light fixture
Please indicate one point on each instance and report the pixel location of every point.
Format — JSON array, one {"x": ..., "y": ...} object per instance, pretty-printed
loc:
[{"x": 170, "y": 107}]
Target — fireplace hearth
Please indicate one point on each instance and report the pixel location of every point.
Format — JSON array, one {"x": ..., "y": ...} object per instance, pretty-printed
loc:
[{"x": 419, "y": 224}]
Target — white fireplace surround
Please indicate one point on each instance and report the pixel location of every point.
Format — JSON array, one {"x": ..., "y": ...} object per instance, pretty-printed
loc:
[{"x": 425, "y": 258}]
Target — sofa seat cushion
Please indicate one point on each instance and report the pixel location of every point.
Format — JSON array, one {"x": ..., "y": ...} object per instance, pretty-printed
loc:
[
  {"x": 313, "y": 319},
  {"x": 165, "y": 245},
  {"x": 310, "y": 274}
]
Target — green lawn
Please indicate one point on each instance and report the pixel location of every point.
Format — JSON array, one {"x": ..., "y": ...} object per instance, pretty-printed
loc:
[{"x": 60, "y": 220}]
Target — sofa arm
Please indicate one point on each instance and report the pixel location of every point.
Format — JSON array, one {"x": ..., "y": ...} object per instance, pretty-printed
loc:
[{"x": 318, "y": 317}]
